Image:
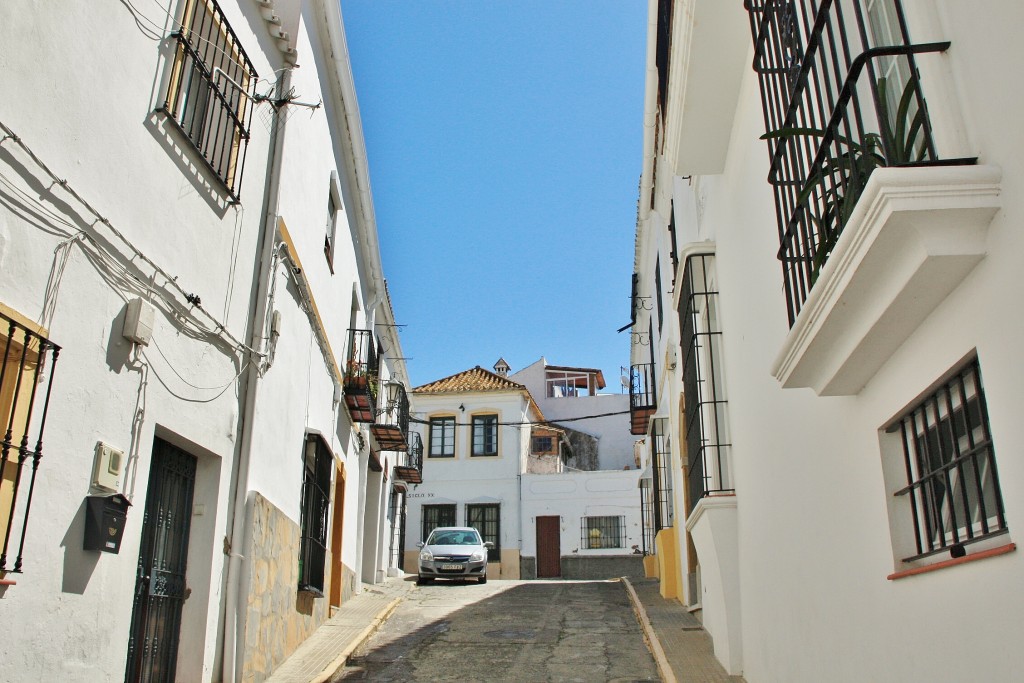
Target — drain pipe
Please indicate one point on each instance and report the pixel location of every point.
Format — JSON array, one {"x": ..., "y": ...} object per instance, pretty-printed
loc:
[{"x": 233, "y": 599}]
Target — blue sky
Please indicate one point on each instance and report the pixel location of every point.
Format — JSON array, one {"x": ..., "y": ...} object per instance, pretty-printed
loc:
[{"x": 505, "y": 143}]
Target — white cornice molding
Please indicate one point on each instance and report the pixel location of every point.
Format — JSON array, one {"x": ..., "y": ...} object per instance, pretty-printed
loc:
[{"x": 914, "y": 235}]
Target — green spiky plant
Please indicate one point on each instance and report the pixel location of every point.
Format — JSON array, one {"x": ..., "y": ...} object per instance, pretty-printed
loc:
[{"x": 840, "y": 180}]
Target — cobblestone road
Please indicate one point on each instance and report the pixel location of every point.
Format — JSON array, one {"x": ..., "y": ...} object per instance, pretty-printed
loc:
[{"x": 522, "y": 631}]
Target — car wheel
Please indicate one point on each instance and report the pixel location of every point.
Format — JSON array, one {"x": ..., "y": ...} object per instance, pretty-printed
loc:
[
  {"x": 422, "y": 580},
  {"x": 483, "y": 578}
]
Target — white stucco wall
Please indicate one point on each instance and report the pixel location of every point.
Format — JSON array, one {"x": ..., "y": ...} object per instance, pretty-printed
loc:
[
  {"x": 85, "y": 107},
  {"x": 615, "y": 445},
  {"x": 814, "y": 538},
  {"x": 576, "y": 495},
  {"x": 88, "y": 81}
]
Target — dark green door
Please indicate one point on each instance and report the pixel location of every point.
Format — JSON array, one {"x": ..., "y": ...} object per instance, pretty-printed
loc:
[{"x": 160, "y": 578}]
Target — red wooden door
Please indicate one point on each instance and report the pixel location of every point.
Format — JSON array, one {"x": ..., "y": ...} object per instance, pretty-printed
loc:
[{"x": 549, "y": 552}]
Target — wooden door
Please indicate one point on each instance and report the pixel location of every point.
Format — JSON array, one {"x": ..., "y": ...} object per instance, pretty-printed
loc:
[
  {"x": 337, "y": 535},
  {"x": 549, "y": 550}
]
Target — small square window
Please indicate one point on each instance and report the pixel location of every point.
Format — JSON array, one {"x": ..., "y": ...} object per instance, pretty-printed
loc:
[
  {"x": 543, "y": 445},
  {"x": 951, "y": 491}
]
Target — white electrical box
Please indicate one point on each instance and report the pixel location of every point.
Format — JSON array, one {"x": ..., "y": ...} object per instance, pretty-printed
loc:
[
  {"x": 108, "y": 470},
  {"x": 138, "y": 321}
]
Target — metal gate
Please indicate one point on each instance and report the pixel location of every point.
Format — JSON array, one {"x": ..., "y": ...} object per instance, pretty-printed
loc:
[{"x": 160, "y": 580}]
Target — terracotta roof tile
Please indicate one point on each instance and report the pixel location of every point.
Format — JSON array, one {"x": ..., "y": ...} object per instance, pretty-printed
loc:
[{"x": 476, "y": 379}]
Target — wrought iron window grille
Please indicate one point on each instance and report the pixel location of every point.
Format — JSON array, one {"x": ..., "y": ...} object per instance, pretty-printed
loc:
[
  {"x": 841, "y": 96},
  {"x": 435, "y": 516},
  {"x": 705, "y": 419},
  {"x": 209, "y": 93},
  {"x": 952, "y": 482},
  {"x": 486, "y": 518},
  {"x": 26, "y": 382},
  {"x": 315, "y": 506},
  {"x": 661, "y": 464},
  {"x": 598, "y": 533}
]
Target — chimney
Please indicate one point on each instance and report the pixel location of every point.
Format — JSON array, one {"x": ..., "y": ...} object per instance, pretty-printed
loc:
[{"x": 501, "y": 367}]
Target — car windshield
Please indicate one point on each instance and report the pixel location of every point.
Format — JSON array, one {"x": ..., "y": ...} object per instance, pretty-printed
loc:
[{"x": 453, "y": 538}]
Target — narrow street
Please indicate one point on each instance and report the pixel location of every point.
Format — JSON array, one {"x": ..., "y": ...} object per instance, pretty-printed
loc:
[{"x": 508, "y": 631}]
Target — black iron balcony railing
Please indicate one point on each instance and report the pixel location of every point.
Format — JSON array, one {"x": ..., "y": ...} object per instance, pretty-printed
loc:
[
  {"x": 360, "y": 383},
  {"x": 392, "y": 426},
  {"x": 208, "y": 94},
  {"x": 706, "y": 424},
  {"x": 842, "y": 96},
  {"x": 26, "y": 379},
  {"x": 411, "y": 470},
  {"x": 642, "y": 401}
]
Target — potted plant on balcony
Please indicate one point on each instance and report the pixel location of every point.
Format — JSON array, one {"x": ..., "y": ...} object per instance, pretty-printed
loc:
[{"x": 831, "y": 191}]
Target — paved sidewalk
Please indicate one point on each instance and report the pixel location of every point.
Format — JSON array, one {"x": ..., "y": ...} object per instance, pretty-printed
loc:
[
  {"x": 681, "y": 647},
  {"x": 323, "y": 653}
]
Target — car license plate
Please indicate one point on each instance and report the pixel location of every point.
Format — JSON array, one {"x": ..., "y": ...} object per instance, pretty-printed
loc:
[{"x": 451, "y": 567}]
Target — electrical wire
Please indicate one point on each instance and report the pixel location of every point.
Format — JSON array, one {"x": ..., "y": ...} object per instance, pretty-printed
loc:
[
  {"x": 553, "y": 423},
  {"x": 127, "y": 279}
]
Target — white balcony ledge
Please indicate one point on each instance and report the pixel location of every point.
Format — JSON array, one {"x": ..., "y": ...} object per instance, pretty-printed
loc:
[{"x": 914, "y": 236}]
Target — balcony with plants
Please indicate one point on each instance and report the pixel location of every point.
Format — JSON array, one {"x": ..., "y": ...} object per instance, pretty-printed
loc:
[
  {"x": 361, "y": 380},
  {"x": 875, "y": 224}
]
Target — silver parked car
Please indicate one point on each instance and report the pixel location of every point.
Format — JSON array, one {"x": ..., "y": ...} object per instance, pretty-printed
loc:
[{"x": 453, "y": 552}]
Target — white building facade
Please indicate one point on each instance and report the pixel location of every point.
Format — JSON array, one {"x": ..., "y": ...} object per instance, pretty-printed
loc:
[
  {"x": 183, "y": 215},
  {"x": 495, "y": 461},
  {"x": 829, "y": 244}
]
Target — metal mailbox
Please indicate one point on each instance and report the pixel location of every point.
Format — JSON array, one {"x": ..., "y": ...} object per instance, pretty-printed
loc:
[{"x": 105, "y": 516}]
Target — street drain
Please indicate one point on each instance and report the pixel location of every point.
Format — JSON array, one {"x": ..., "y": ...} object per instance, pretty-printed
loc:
[{"x": 512, "y": 634}]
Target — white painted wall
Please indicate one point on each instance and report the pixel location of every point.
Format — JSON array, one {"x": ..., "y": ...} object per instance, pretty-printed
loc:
[
  {"x": 615, "y": 447},
  {"x": 465, "y": 479},
  {"x": 576, "y": 495},
  {"x": 87, "y": 80},
  {"x": 814, "y": 539}
]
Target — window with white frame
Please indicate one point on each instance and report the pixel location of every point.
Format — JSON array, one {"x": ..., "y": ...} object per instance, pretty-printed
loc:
[{"x": 952, "y": 489}]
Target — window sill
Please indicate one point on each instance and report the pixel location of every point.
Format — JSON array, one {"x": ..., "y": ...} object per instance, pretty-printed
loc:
[
  {"x": 992, "y": 552},
  {"x": 914, "y": 236}
]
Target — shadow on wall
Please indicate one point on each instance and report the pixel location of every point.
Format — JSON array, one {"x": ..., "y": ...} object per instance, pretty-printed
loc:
[{"x": 79, "y": 564}]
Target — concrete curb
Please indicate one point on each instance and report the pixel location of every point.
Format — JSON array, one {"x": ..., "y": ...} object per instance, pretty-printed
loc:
[
  {"x": 664, "y": 668},
  {"x": 335, "y": 666}
]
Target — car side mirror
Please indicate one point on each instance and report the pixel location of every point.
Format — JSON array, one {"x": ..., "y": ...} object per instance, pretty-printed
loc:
[
  {"x": 488, "y": 545},
  {"x": 420, "y": 544}
]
